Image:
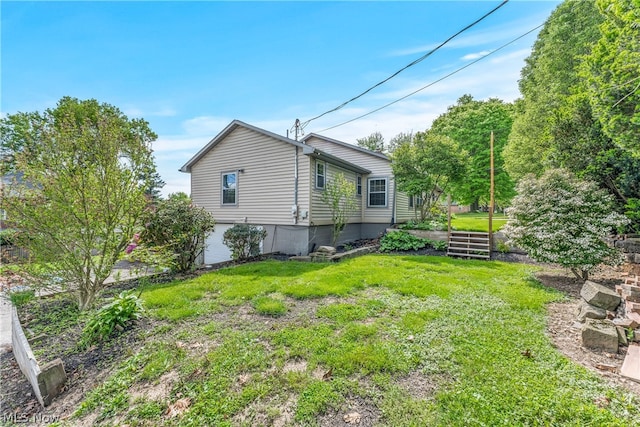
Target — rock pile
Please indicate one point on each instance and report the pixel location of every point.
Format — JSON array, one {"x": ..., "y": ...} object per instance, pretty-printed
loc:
[
  {"x": 629, "y": 292},
  {"x": 612, "y": 318},
  {"x": 597, "y": 310}
]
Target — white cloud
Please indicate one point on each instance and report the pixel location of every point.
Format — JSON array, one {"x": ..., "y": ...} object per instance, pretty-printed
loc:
[{"x": 477, "y": 55}]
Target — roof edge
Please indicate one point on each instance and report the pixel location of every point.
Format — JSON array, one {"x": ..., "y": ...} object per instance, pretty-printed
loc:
[
  {"x": 186, "y": 168},
  {"x": 347, "y": 145}
]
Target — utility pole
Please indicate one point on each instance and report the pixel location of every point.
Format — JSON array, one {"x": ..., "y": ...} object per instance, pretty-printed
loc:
[
  {"x": 298, "y": 131},
  {"x": 491, "y": 197}
]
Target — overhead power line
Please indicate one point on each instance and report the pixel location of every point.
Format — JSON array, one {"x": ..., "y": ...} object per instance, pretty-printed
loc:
[
  {"x": 435, "y": 81},
  {"x": 423, "y": 57}
]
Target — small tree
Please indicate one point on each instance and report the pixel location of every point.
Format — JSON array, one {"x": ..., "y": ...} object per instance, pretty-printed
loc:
[
  {"x": 244, "y": 240},
  {"x": 339, "y": 196},
  {"x": 85, "y": 167},
  {"x": 427, "y": 166},
  {"x": 560, "y": 219},
  {"x": 179, "y": 226}
]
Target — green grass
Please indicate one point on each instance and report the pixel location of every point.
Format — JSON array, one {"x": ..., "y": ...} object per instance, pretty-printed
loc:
[
  {"x": 269, "y": 306},
  {"x": 360, "y": 329},
  {"x": 477, "y": 221}
]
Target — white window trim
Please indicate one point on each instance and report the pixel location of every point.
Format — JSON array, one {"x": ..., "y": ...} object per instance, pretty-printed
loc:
[
  {"x": 324, "y": 175},
  {"x": 386, "y": 191},
  {"x": 222, "y": 174}
]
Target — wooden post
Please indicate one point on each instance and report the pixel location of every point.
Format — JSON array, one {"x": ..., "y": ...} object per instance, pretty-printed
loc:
[
  {"x": 448, "y": 216},
  {"x": 491, "y": 197}
]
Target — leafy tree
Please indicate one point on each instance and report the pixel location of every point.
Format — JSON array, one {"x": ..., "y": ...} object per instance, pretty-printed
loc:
[
  {"x": 399, "y": 140},
  {"x": 470, "y": 123},
  {"x": 84, "y": 166},
  {"x": 18, "y": 132},
  {"x": 560, "y": 219},
  {"x": 612, "y": 72},
  {"x": 339, "y": 195},
  {"x": 427, "y": 166},
  {"x": 557, "y": 123},
  {"x": 179, "y": 226},
  {"x": 581, "y": 146},
  {"x": 373, "y": 142}
]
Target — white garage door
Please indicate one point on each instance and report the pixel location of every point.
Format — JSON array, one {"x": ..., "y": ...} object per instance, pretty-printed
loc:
[{"x": 216, "y": 251}]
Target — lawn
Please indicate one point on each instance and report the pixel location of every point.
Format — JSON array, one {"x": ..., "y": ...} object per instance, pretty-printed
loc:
[
  {"x": 390, "y": 340},
  {"x": 477, "y": 221}
]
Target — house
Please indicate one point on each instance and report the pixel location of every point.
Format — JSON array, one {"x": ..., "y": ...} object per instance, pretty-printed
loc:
[{"x": 249, "y": 175}]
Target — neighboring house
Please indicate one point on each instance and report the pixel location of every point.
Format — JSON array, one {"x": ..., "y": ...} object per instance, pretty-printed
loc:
[
  {"x": 5, "y": 184},
  {"x": 249, "y": 175}
]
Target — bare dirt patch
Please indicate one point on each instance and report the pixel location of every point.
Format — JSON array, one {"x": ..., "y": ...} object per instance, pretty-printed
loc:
[
  {"x": 421, "y": 386},
  {"x": 159, "y": 390},
  {"x": 355, "y": 411}
]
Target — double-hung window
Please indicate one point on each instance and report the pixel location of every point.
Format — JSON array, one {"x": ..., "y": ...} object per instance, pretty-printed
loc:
[
  {"x": 230, "y": 188},
  {"x": 321, "y": 174},
  {"x": 377, "y": 192}
]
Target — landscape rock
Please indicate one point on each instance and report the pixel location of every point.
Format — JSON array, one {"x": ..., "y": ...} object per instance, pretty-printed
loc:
[
  {"x": 588, "y": 311},
  {"x": 326, "y": 249},
  {"x": 600, "y": 334},
  {"x": 629, "y": 245},
  {"x": 622, "y": 335},
  {"x": 626, "y": 322},
  {"x": 600, "y": 296}
]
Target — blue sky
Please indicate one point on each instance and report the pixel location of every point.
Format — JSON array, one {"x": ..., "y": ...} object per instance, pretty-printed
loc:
[{"x": 189, "y": 68}]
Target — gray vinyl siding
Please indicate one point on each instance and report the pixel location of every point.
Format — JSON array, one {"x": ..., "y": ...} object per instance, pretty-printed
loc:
[
  {"x": 265, "y": 185},
  {"x": 321, "y": 212},
  {"x": 403, "y": 212},
  {"x": 379, "y": 167}
]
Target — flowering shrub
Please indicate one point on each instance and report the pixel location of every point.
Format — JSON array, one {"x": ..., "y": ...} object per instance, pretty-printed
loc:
[
  {"x": 560, "y": 219},
  {"x": 134, "y": 244}
]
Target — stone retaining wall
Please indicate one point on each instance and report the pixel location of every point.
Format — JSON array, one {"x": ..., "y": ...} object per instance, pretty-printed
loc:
[
  {"x": 47, "y": 382},
  {"x": 498, "y": 238}
]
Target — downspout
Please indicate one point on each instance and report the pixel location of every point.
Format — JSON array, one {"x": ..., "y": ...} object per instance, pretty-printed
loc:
[
  {"x": 393, "y": 208},
  {"x": 294, "y": 209}
]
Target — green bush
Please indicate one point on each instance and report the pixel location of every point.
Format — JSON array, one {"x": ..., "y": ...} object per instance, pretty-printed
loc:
[
  {"x": 179, "y": 227},
  {"x": 439, "y": 245},
  {"x": 244, "y": 240},
  {"x": 20, "y": 298},
  {"x": 123, "y": 308},
  {"x": 402, "y": 241}
]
